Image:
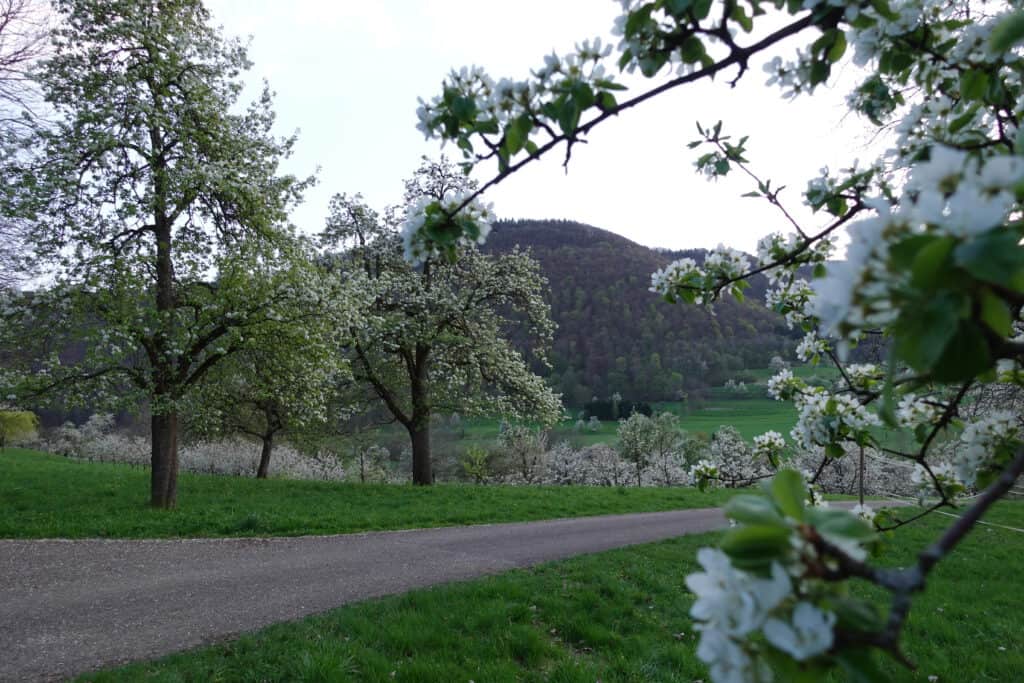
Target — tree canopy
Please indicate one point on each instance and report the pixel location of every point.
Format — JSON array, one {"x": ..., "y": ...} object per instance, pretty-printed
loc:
[
  {"x": 434, "y": 337},
  {"x": 156, "y": 207}
]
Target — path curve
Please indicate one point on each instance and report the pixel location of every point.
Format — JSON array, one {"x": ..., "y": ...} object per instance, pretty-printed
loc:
[{"x": 68, "y": 607}]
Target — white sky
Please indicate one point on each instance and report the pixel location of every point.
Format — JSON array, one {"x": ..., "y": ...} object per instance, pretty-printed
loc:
[{"x": 347, "y": 74}]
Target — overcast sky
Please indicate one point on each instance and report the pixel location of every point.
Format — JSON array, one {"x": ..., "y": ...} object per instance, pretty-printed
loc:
[{"x": 347, "y": 74}]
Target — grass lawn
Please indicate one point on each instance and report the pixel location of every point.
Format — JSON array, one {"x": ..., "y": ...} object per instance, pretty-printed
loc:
[
  {"x": 610, "y": 617},
  {"x": 47, "y": 496}
]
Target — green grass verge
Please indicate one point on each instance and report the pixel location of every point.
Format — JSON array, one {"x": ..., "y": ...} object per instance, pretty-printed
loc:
[
  {"x": 610, "y": 617},
  {"x": 47, "y": 496}
]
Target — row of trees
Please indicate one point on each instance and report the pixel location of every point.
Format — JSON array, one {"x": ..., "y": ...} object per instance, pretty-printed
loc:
[{"x": 154, "y": 217}]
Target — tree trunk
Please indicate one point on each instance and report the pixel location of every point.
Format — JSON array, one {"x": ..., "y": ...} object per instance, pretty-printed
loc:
[
  {"x": 268, "y": 448},
  {"x": 422, "y": 472},
  {"x": 861, "y": 475},
  {"x": 638, "y": 475},
  {"x": 163, "y": 486}
]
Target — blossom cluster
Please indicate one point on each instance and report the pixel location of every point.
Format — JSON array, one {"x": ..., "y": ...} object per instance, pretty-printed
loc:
[
  {"x": 827, "y": 419},
  {"x": 769, "y": 446},
  {"x": 486, "y": 106},
  {"x": 682, "y": 272},
  {"x": 704, "y": 472},
  {"x": 986, "y": 443},
  {"x": 434, "y": 224},
  {"x": 784, "y": 386},
  {"x": 811, "y": 348},
  {"x": 914, "y": 411},
  {"x": 761, "y": 581},
  {"x": 685, "y": 280},
  {"x": 952, "y": 195}
]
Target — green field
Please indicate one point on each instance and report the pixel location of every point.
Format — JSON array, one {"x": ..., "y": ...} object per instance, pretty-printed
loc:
[
  {"x": 619, "y": 616},
  {"x": 47, "y": 496},
  {"x": 751, "y": 414}
]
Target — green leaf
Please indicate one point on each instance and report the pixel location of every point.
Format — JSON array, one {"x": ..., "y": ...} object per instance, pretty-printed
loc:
[
  {"x": 789, "y": 493},
  {"x": 569, "y": 117},
  {"x": 750, "y": 509},
  {"x": 701, "y": 9},
  {"x": 994, "y": 257},
  {"x": 973, "y": 84},
  {"x": 924, "y": 331},
  {"x": 678, "y": 7},
  {"x": 966, "y": 354},
  {"x": 857, "y": 615},
  {"x": 1007, "y": 33},
  {"x": 959, "y": 122},
  {"x": 692, "y": 50},
  {"x": 607, "y": 101},
  {"x": 583, "y": 94},
  {"x": 513, "y": 140},
  {"x": 820, "y": 71},
  {"x": 755, "y": 546},
  {"x": 931, "y": 261},
  {"x": 835, "y": 53},
  {"x": 739, "y": 15},
  {"x": 835, "y": 450},
  {"x": 995, "y": 313},
  {"x": 651, "y": 64},
  {"x": 464, "y": 108},
  {"x": 840, "y": 523}
]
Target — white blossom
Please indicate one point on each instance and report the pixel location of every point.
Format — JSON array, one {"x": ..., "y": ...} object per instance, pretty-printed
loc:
[{"x": 808, "y": 635}]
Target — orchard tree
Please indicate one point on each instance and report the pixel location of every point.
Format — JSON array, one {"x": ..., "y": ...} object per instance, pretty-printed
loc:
[
  {"x": 157, "y": 206},
  {"x": 16, "y": 424},
  {"x": 669, "y": 446},
  {"x": 636, "y": 442},
  {"x": 284, "y": 378},
  {"x": 934, "y": 264},
  {"x": 434, "y": 337}
]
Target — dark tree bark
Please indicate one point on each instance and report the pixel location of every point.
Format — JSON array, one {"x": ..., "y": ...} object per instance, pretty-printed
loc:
[
  {"x": 268, "y": 447},
  {"x": 422, "y": 469},
  {"x": 164, "y": 461}
]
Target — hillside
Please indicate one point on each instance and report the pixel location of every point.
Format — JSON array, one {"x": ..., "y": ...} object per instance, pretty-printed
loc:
[{"x": 615, "y": 335}]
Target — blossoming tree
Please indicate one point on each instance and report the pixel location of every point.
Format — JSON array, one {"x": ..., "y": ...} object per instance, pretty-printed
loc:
[
  {"x": 155, "y": 206},
  {"x": 934, "y": 264},
  {"x": 434, "y": 337},
  {"x": 284, "y": 379}
]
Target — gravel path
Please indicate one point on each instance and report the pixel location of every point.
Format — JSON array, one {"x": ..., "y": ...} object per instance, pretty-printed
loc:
[{"x": 67, "y": 607}]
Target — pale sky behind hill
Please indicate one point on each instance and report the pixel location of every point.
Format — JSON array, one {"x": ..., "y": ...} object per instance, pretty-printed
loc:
[{"x": 347, "y": 74}]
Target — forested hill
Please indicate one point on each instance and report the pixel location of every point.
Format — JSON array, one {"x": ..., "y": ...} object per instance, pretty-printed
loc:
[{"x": 615, "y": 335}]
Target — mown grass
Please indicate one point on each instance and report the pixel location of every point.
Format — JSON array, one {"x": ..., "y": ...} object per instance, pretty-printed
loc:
[
  {"x": 47, "y": 496},
  {"x": 619, "y": 616}
]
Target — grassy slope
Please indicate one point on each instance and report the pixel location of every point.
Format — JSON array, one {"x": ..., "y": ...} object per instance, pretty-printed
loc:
[
  {"x": 616, "y": 616},
  {"x": 45, "y": 496}
]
